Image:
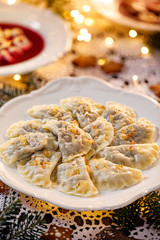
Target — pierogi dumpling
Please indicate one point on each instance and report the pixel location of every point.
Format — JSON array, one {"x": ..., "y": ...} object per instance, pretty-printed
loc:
[
  {"x": 24, "y": 127},
  {"x": 73, "y": 178},
  {"x": 23, "y": 146},
  {"x": 83, "y": 109},
  {"x": 141, "y": 156},
  {"x": 38, "y": 168},
  {"x": 52, "y": 111},
  {"x": 119, "y": 115},
  {"x": 110, "y": 176},
  {"x": 141, "y": 131}
]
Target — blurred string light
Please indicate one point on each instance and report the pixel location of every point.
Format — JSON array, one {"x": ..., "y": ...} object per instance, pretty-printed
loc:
[
  {"x": 17, "y": 77},
  {"x": 132, "y": 33},
  {"x": 87, "y": 37},
  {"x": 89, "y": 22},
  {"x": 109, "y": 41},
  {"x": 67, "y": 15},
  {"x": 101, "y": 61},
  {"x": 109, "y": 2},
  {"x": 11, "y": 2},
  {"x": 79, "y": 19},
  {"x": 144, "y": 50},
  {"x": 86, "y": 8},
  {"x": 135, "y": 79},
  {"x": 74, "y": 13},
  {"x": 84, "y": 35},
  {"x": 83, "y": 31},
  {"x": 80, "y": 37}
]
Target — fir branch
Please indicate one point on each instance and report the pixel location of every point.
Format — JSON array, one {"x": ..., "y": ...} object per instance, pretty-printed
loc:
[
  {"x": 151, "y": 209},
  {"x": 1, "y": 102},
  {"x": 59, "y": 6},
  {"x": 11, "y": 209},
  {"x": 153, "y": 40},
  {"x": 50, "y": 2},
  {"x": 29, "y": 226},
  {"x": 128, "y": 218},
  {"x": 17, "y": 225}
]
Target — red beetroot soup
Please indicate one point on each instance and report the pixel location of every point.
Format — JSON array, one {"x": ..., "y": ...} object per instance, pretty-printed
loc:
[{"x": 36, "y": 45}]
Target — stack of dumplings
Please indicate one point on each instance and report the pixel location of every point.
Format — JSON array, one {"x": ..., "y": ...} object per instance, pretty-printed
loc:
[{"x": 81, "y": 147}]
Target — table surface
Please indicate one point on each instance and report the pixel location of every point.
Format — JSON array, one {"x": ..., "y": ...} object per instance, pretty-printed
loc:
[{"x": 133, "y": 71}]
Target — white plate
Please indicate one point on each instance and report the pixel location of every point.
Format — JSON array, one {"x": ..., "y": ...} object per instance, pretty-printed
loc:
[
  {"x": 109, "y": 9},
  {"x": 100, "y": 91},
  {"x": 53, "y": 29}
]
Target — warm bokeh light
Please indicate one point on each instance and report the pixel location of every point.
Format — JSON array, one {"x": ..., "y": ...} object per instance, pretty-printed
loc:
[
  {"x": 74, "y": 13},
  {"x": 86, "y": 8},
  {"x": 101, "y": 61},
  {"x": 89, "y": 21},
  {"x": 17, "y": 77},
  {"x": 87, "y": 37},
  {"x": 84, "y": 35},
  {"x": 79, "y": 19},
  {"x": 11, "y": 2},
  {"x": 109, "y": 41},
  {"x": 83, "y": 31},
  {"x": 144, "y": 50},
  {"x": 80, "y": 37},
  {"x": 67, "y": 15},
  {"x": 132, "y": 33},
  {"x": 109, "y": 2},
  {"x": 134, "y": 79}
]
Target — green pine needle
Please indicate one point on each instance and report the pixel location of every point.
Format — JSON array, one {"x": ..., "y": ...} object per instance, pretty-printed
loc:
[
  {"x": 151, "y": 209},
  {"x": 130, "y": 217},
  {"x": 59, "y": 6},
  {"x": 11, "y": 209},
  {"x": 17, "y": 225},
  {"x": 153, "y": 41},
  {"x": 127, "y": 218}
]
